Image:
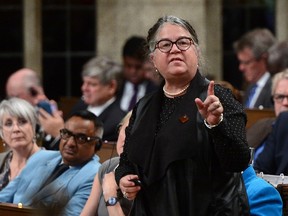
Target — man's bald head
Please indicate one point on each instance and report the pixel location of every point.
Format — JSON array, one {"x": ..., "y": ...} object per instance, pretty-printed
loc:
[{"x": 25, "y": 84}]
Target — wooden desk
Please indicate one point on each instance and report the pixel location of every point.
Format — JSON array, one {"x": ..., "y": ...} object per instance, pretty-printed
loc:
[
  {"x": 254, "y": 115},
  {"x": 9, "y": 209}
]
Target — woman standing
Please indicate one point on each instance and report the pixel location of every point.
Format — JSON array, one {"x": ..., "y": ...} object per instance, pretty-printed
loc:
[
  {"x": 17, "y": 129},
  {"x": 186, "y": 142}
]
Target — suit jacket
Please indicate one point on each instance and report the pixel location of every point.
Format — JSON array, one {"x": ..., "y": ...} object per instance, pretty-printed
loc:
[
  {"x": 273, "y": 159},
  {"x": 263, "y": 198},
  {"x": 110, "y": 117},
  {"x": 150, "y": 87},
  {"x": 264, "y": 98},
  {"x": 258, "y": 132},
  {"x": 69, "y": 191}
]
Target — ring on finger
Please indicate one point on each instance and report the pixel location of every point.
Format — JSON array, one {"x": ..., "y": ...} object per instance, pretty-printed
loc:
[{"x": 125, "y": 195}]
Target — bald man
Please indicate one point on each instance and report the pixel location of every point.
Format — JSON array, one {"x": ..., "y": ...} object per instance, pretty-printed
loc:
[{"x": 25, "y": 83}]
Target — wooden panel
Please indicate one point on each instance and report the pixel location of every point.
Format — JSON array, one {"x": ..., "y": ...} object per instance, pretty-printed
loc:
[
  {"x": 107, "y": 151},
  {"x": 3, "y": 148},
  {"x": 254, "y": 115},
  {"x": 13, "y": 210},
  {"x": 66, "y": 103}
]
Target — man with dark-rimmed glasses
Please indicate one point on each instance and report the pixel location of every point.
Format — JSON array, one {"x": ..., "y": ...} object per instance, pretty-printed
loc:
[{"x": 60, "y": 181}]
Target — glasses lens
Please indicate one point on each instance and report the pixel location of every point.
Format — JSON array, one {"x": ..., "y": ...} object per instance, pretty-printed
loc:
[
  {"x": 64, "y": 134},
  {"x": 81, "y": 139},
  {"x": 183, "y": 43},
  {"x": 279, "y": 98},
  {"x": 165, "y": 45}
]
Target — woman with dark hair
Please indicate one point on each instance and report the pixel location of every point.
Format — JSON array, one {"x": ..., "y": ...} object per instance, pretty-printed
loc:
[{"x": 185, "y": 144}]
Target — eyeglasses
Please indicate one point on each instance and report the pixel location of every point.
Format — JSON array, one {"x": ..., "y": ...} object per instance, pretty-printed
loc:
[
  {"x": 79, "y": 138},
  {"x": 166, "y": 45},
  {"x": 279, "y": 98},
  {"x": 10, "y": 123}
]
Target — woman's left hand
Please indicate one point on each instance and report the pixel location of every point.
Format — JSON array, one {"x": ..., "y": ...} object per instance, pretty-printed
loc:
[
  {"x": 129, "y": 188},
  {"x": 211, "y": 109}
]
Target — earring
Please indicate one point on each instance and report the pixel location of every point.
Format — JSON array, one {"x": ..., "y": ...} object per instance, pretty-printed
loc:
[
  {"x": 4, "y": 144},
  {"x": 156, "y": 70}
]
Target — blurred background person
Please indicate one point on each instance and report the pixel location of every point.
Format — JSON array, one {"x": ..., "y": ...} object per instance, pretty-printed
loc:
[
  {"x": 104, "y": 199},
  {"x": 151, "y": 73},
  {"x": 101, "y": 77},
  {"x": 251, "y": 50},
  {"x": 26, "y": 84},
  {"x": 273, "y": 159},
  {"x": 258, "y": 133},
  {"x": 134, "y": 85},
  {"x": 270, "y": 159},
  {"x": 17, "y": 129},
  {"x": 278, "y": 57}
]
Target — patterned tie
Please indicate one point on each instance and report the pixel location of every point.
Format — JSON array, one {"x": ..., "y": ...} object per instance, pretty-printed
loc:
[
  {"x": 57, "y": 172},
  {"x": 251, "y": 94},
  {"x": 134, "y": 98}
]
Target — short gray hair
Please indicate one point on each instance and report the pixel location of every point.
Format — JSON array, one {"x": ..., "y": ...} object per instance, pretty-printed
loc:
[
  {"x": 258, "y": 40},
  {"x": 278, "y": 57},
  {"x": 277, "y": 78},
  {"x": 19, "y": 108},
  {"x": 102, "y": 68}
]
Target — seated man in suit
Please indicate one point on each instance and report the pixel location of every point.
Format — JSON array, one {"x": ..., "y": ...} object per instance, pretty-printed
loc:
[
  {"x": 100, "y": 77},
  {"x": 273, "y": 159},
  {"x": 67, "y": 193},
  {"x": 258, "y": 133}
]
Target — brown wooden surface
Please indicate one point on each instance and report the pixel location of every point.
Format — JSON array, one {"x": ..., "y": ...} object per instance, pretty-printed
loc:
[
  {"x": 2, "y": 148},
  {"x": 254, "y": 115},
  {"x": 107, "y": 151},
  {"x": 9, "y": 209},
  {"x": 65, "y": 105}
]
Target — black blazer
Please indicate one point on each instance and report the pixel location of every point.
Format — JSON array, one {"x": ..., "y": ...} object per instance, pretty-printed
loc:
[
  {"x": 110, "y": 117},
  {"x": 273, "y": 159}
]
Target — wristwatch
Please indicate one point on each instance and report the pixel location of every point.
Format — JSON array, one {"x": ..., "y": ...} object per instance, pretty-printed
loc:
[{"x": 111, "y": 201}]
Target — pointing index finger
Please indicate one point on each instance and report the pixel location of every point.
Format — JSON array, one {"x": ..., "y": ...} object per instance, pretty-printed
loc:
[{"x": 210, "y": 90}]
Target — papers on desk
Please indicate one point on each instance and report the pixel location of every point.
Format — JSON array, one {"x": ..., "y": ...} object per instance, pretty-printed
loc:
[{"x": 274, "y": 179}]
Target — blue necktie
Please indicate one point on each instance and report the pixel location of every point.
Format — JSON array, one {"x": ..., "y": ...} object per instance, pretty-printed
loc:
[{"x": 251, "y": 94}]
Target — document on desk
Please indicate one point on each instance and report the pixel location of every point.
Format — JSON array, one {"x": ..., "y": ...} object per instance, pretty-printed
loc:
[{"x": 274, "y": 179}]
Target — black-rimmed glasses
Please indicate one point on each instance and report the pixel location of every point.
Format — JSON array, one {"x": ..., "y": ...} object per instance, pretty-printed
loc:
[
  {"x": 279, "y": 98},
  {"x": 79, "y": 138},
  {"x": 166, "y": 45}
]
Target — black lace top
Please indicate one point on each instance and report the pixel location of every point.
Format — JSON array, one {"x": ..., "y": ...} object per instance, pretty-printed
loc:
[{"x": 5, "y": 171}]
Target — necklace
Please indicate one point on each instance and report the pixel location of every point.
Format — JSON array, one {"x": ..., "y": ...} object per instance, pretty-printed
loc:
[{"x": 177, "y": 93}]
